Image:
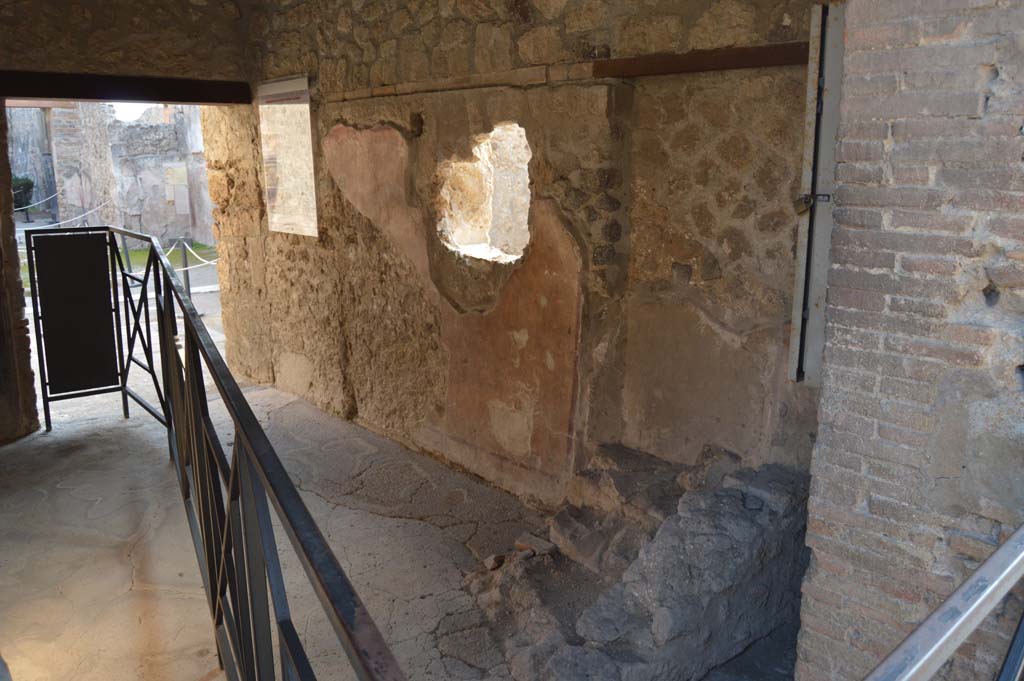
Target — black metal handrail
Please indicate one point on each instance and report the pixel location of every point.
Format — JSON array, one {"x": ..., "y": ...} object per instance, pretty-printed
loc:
[{"x": 228, "y": 515}]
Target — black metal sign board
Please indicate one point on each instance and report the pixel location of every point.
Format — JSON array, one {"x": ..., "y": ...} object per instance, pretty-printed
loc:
[{"x": 74, "y": 299}]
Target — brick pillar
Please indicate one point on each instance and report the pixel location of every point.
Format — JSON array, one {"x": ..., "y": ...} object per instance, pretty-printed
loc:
[
  {"x": 918, "y": 472},
  {"x": 17, "y": 391}
]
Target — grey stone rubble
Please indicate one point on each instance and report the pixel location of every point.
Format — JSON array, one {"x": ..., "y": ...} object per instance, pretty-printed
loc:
[{"x": 720, "y": 575}]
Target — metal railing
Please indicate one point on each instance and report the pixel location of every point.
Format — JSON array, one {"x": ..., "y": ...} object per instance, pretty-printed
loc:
[
  {"x": 934, "y": 641},
  {"x": 226, "y": 500}
]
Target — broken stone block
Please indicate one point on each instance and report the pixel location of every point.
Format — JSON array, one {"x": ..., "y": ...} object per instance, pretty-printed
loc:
[
  {"x": 540, "y": 547},
  {"x": 577, "y": 541},
  {"x": 525, "y": 554},
  {"x": 629, "y": 482},
  {"x": 719, "y": 575},
  {"x": 572, "y": 663},
  {"x": 710, "y": 469}
]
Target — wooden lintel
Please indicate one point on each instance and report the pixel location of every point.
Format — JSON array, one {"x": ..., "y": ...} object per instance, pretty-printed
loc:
[
  {"x": 696, "y": 61},
  {"x": 93, "y": 87}
]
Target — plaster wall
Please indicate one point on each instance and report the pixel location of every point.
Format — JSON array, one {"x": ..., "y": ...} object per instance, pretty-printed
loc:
[
  {"x": 715, "y": 162},
  {"x": 515, "y": 371}
]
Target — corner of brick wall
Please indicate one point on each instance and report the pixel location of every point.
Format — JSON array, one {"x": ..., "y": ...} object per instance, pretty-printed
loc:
[
  {"x": 917, "y": 474},
  {"x": 17, "y": 389}
]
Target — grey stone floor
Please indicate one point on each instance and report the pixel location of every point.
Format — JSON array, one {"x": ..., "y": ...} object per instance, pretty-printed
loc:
[{"x": 98, "y": 579}]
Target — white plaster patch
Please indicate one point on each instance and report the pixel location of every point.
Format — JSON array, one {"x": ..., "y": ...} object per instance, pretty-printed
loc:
[
  {"x": 484, "y": 203},
  {"x": 520, "y": 337},
  {"x": 512, "y": 427}
]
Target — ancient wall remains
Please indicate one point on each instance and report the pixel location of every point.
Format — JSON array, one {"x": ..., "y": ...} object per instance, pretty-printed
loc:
[
  {"x": 160, "y": 174},
  {"x": 199, "y": 39},
  {"x": 147, "y": 174},
  {"x": 28, "y": 150},
  {"x": 517, "y": 370},
  {"x": 82, "y": 162},
  {"x": 916, "y": 474},
  {"x": 715, "y": 164},
  {"x": 17, "y": 392},
  {"x": 358, "y": 45}
]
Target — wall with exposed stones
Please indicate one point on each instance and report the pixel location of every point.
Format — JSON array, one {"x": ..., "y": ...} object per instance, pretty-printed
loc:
[
  {"x": 715, "y": 164},
  {"x": 17, "y": 392},
  {"x": 147, "y": 174},
  {"x": 517, "y": 371},
  {"x": 82, "y": 162},
  {"x": 159, "y": 170},
  {"x": 196, "y": 39},
  {"x": 362, "y": 44},
  {"x": 28, "y": 150},
  {"x": 916, "y": 474}
]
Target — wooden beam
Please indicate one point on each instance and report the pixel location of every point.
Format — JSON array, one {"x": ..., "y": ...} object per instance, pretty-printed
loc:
[
  {"x": 697, "y": 61},
  {"x": 37, "y": 103},
  {"x": 92, "y": 87}
]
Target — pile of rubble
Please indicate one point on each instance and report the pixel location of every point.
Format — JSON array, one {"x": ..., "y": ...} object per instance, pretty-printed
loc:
[{"x": 660, "y": 573}]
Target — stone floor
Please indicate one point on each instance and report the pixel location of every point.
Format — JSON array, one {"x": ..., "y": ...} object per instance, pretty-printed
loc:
[{"x": 98, "y": 579}]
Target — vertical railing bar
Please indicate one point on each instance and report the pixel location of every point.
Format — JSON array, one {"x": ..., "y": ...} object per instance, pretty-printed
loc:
[
  {"x": 225, "y": 567},
  {"x": 1013, "y": 663},
  {"x": 226, "y": 638},
  {"x": 290, "y": 644},
  {"x": 215, "y": 501},
  {"x": 209, "y": 499},
  {"x": 247, "y": 560},
  {"x": 30, "y": 255},
  {"x": 256, "y": 570},
  {"x": 122, "y": 361},
  {"x": 274, "y": 574},
  {"x": 241, "y": 603},
  {"x": 148, "y": 345}
]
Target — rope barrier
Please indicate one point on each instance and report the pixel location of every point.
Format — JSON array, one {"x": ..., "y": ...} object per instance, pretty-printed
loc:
[
  {"x": 32, "y": 205},
  {"x": 79, "y": 217},
  {"x": 192, "y": 267},
  {"x": 199, "y": 257}
]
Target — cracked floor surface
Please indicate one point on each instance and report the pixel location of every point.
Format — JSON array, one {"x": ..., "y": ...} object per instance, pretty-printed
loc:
[{"x": 98, "y": 579}]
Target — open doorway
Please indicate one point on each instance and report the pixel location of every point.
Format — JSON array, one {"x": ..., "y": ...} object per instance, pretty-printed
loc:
[{"x": 136, "y": 165}]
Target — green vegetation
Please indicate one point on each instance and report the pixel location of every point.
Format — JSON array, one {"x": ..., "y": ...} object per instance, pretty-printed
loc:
[
  {"x": 22, "y": 188},
  {"x": 138, "y": 258}
]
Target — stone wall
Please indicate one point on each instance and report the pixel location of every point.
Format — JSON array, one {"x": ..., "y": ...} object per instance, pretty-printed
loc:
[
  {"x": 28, "y": 150},
  {"x": 517, "y": 371},
  {"x": 82, "y": 162},
  {"x": 147, "y": 174},
  {"x": 199, "y": 39},
  {"x": 17, "y": 392},
  {"x": 715, "y": 165},
  {"x": 160, "y": 174},
  {"x": 355, "y": 45},
  {"x": 916, "y": 473},
  {"x": 377, "y": 320}
]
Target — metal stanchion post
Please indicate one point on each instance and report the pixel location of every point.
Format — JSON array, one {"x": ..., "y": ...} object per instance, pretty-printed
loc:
[
  {"x": 127, "y": 253},
  {"x": 184, "y": 265}
]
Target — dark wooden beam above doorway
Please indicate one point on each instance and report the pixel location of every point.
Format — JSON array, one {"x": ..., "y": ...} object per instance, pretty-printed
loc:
[
  {"x": 94, "y": 87},
  {"x": 697, "y": 61}
]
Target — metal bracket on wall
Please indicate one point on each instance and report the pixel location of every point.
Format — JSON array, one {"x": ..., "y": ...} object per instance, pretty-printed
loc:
[{"x": 814, "y": 205}]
